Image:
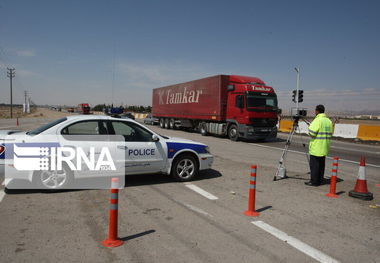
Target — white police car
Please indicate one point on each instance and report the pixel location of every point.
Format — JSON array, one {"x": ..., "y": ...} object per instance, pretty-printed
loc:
[{"x": 144, "y": 151}]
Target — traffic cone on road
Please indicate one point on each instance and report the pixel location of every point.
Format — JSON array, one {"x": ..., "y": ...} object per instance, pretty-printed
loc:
[{"x": 360, "y": 191}]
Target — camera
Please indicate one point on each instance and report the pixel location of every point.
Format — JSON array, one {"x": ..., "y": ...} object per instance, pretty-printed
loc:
[{"x": 298, "y": 113}]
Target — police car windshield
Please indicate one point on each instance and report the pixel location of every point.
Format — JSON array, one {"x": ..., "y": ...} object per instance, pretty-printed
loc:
[{"x": 46, "y": 126}]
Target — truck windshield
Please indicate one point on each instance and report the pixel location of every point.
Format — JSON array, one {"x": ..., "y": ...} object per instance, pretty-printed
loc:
[{"x": 261, "y": 100}]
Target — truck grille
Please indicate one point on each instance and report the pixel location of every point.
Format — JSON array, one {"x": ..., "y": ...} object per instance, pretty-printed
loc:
[{"x": 263, "y": 122}]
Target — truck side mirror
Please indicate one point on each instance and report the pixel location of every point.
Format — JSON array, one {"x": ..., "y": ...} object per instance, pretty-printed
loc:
[{"x": 279, "y": 111}]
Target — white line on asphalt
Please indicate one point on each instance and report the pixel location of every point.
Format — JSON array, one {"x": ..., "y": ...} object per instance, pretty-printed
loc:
[
  {"x": 301, "y": 246},
  {"x": 2, "y": 194},
  {"x": 196, "y": 209},
  {"x": 292, "y": 151},
  {"x": 201, "y": 191}
]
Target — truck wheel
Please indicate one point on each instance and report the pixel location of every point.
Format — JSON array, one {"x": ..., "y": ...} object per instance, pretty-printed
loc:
[
  {"x": 172, "y": 124},
  {"x": 184, "y": 168},
  {"x": 162, "y": 123},
  {"x": 203, "y": 129},
  {"x": 167, "y": 124},
  {"x": 233, "y": 133}
]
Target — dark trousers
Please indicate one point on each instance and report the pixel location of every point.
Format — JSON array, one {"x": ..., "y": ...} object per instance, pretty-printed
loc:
[{"x": 317, "y": 169}]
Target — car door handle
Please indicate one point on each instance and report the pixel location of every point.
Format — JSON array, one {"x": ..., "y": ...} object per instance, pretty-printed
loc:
[{"x": 122, "y": 147}]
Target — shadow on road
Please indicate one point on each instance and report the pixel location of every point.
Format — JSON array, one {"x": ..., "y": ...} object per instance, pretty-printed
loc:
[
  {"x": 138, "y": 235},
  {"x": 153, "y": 179},
  {"x": 26, "y": 187},
  {"x": 264, "y": 208}
]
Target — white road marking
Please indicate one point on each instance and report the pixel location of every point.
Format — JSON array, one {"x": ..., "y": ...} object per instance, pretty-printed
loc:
[
  {"x": 292, "y": 151},
  {"x": 201, "y": 191},
  {"x": 301, "y": 246},
  {"x": 196, "y": 209},
  {"x": 2, "y": 194}
]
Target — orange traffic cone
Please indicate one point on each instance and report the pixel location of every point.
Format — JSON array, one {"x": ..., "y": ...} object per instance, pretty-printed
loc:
[{"x": 360, "y": 191}]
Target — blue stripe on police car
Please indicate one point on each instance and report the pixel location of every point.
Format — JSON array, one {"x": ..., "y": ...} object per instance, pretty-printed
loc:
[{"x": 174, "y": 147}]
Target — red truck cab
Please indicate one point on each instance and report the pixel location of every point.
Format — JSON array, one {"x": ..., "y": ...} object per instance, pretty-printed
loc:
[
  {"x": 84, "y": 108},
  {"x": 252, "y": 108}
]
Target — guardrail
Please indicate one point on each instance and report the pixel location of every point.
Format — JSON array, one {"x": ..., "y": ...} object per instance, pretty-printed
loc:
[{"x": 354, "y": 131}]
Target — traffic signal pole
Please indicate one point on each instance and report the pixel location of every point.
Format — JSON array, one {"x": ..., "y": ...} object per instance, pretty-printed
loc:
[{"x": 298, "y": 87}]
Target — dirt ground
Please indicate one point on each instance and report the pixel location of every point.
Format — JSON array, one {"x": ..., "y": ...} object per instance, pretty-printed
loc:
[{"x": 36, "y": 113}]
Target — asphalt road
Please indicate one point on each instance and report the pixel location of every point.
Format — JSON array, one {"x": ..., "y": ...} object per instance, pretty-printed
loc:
[{"x": 164, "y": 221}]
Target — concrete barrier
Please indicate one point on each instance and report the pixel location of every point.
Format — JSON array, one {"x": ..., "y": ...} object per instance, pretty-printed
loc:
[
  {"x": 140, "y": 115},
  {"x": 362, "y": 132},
  {"x": 369, "y": 133},
  {"x": 285, "y": 125},
  {"x": 346, "y": 130}
]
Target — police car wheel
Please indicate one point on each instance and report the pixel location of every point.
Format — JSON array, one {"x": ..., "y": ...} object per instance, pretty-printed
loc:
[
  {"x": 233, "y": 133},
  {"x": 53, "y": 180},
  {"x": 185, "y": 168}
]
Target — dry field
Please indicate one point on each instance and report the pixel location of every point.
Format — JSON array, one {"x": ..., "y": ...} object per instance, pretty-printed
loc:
[{"x": 36, "y": 113}]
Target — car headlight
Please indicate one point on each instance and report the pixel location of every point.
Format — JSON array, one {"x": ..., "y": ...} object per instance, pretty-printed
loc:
[{"x": 207, "y": 149}]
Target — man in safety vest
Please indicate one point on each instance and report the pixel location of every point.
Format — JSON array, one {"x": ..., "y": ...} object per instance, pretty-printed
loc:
[{"x": 320, "y": 131}]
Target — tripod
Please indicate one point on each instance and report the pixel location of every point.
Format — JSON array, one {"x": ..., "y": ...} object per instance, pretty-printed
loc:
[{"x": 281, "y": 170}]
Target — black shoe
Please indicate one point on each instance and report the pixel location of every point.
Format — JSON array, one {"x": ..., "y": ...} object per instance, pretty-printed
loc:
[{"x": 311, "y": 184}]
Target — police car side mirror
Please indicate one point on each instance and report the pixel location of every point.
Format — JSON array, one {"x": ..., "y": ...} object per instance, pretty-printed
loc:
[{"x": 155, "y": 138}]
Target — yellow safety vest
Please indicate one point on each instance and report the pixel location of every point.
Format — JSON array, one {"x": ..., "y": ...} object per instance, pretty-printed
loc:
[{"x": 320, "y": 131}]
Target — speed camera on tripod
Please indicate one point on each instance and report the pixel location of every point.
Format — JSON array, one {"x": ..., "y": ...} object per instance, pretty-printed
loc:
[{"x": 298, "y": 112}]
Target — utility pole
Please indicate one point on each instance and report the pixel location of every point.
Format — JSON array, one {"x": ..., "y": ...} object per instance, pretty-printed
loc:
[
  {"x": 11, "y": 74},
  {"x": 26, "y": 104},
  {"x": 25, "y": 96}
]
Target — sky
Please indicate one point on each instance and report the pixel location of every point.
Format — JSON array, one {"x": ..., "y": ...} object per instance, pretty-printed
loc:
[{"x": 70, "y": 52}]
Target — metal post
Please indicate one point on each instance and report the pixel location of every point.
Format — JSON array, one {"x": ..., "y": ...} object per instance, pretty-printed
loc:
[{"x": 298, "y": 86}]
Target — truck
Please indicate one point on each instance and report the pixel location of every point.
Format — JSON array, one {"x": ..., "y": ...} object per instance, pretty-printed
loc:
[
  {"x": 83, "y": 108},
  {"x": 239, "y": 107}
]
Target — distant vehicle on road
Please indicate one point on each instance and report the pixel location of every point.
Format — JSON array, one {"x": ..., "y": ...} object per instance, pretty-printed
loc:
[
  {"x": 145, "y": 151},
  {"x": 151, "y": 120},
  {"x": 128, "y": 115},
  {"x": 84, "y": 108}
]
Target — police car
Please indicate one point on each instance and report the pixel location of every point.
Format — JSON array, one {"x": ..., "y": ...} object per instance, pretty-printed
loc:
[{"x": 143, "y": 150}]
